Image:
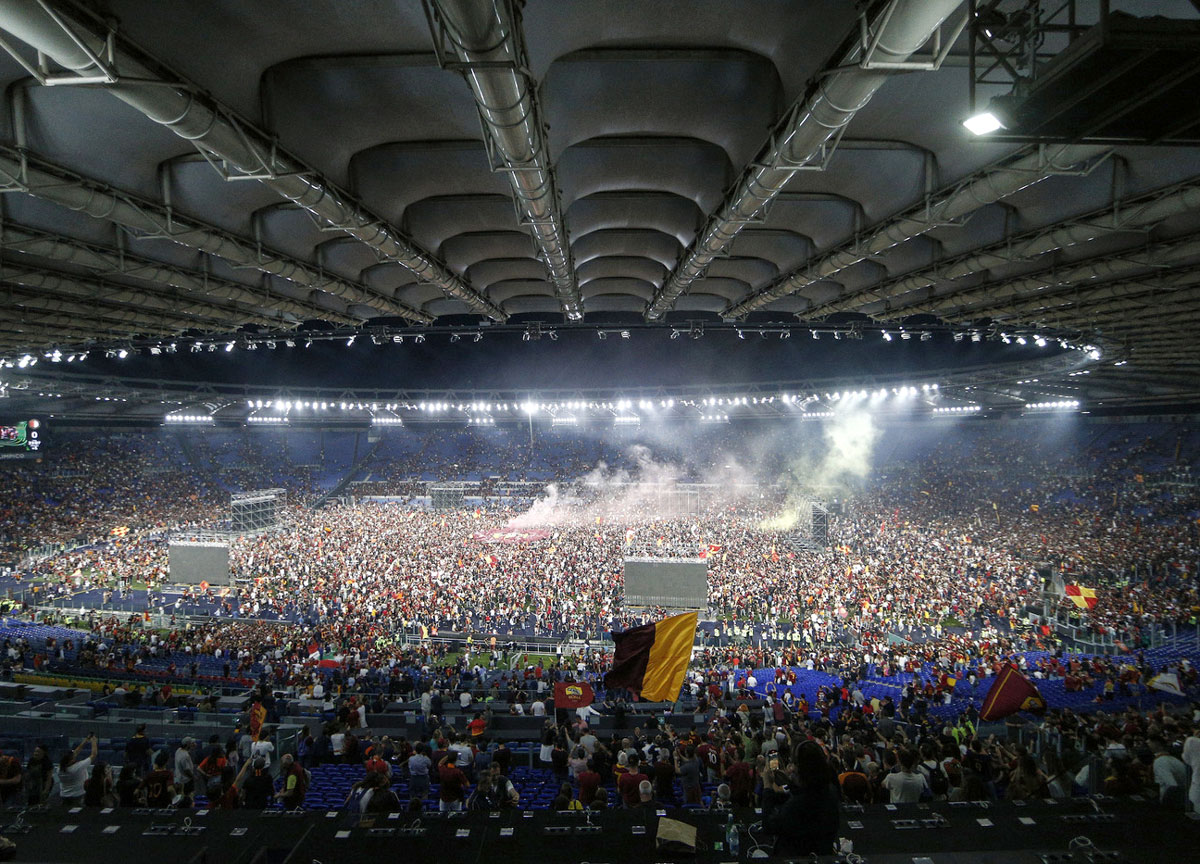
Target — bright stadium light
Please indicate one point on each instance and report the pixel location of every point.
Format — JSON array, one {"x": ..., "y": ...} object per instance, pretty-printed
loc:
[{"x": 983, "y": 123}]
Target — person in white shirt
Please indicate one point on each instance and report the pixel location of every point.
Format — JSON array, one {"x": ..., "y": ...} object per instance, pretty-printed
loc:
[
  {"x": 73, "y": 772},
  {"x": 908, "y": 784},
  {"x": 537, "y": 708},
  {"x": 262, "y": 747},
  {"x": 1191, "y": 758},
  {"x": 1169, "y": 773},
  {"x": 185, "y": 767},
  {"x": 464, "y": 700}
]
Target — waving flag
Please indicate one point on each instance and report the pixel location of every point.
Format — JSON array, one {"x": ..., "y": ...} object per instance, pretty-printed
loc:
[
  {"x": 1084, "y": 598},
  {"x": 650, "y": 660},
  {"x": 1011, "y": 692},
  {"x": 1168, "y": 682},
  {"x": 573, "y": 694}
]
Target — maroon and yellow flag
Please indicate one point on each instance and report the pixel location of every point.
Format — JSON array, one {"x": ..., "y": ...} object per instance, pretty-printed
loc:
[
  {"x": 650, "y": 660},
  {"x": 573, "y": 694},
  {"x": 1011, "y": 692}
]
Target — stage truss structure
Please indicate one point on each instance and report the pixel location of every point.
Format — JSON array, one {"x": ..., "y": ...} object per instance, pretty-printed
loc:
[{"x": 256, "y": 512}]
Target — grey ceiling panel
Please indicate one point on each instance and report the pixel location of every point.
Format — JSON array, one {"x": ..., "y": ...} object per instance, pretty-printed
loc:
[
  {"x": 503, "y": 291},
  {"x": 686, "y": 167},
  {"x": 432, "y": 221},
  {"x": 635, "y": 287},
  {"x": 486, "y": 273},
  {"x": 239, "y": 41},
  {"x": 527, "y": 304},
  {"x": 333, "y": 108},
  {"x": 196, "y": 188},
  {"x": 644, "y": 269},
  {"x": 701, "y": 302},
  {"x": 614, "y": 303},
  {"x": 90, "y": 132},
  {"x": 654, "y": 245},
  {"x": 392, "y": 176},
  {"x": 671, "y": 214},
  {"x": 655, "y": 94},
  {"x": 463, "y": 250}
]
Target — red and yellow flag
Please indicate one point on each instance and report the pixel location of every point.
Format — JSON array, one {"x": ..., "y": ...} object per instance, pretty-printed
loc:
[
  {"x": 651, "y": 660},
  {"x": 1084, "y": 598}
]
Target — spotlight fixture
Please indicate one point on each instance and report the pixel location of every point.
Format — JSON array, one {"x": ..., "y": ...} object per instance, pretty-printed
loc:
[
  {"x": 983, "y": 123},
  {"x": 887, "y": 337},
  {"x": 926, "y": 336},
  {"x": 624, "y": 334},
  {"x": 350, "y": 341},
  {"x": 122, "y": 354},
  {"x": 454, "y": 337},
  {"x": 419, "y": 338},
  {"x": 289, "y": 343},
  {"x": 228, "y": 347},
  {"x": 478, "y": 337},
  {"x": 785, "y": 334},
  {"x": 603, "y": 335},
  {"x": 398, "y": 340}
]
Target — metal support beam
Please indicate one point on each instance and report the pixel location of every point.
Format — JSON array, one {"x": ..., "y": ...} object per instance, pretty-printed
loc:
[
  {"x": 820, "y": 116},
  {"x": 912, "y": 289},
  {"x": 235, "y": 148},
  {"x": 22, "y": 172},
  {"x": 488, "y": 46},
  {"x": 198, "y": 286}
]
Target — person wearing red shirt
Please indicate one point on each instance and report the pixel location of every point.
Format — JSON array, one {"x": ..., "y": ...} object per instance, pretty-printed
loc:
[
  {"x": 477, "y": 726},
  {"x": 740, "y": 777},
  {"x": 627, "y": 785},
  {"x": 453, "y": 785},
  {"x": 589, "y": 782}
]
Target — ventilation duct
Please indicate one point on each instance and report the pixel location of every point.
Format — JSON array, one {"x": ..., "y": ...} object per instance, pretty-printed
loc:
[{"x": 486, "y": 40}]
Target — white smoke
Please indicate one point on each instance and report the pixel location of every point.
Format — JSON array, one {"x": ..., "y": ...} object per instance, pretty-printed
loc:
[
  {"x": 849, "y": 443},
  {"x": 649, "y": 490}
]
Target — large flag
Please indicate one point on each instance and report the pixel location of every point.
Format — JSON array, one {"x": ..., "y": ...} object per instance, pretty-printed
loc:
[
  {"x": 1168, "y": 682},
  {"x": 258, "y": 713},
  {"x": 1084, "y": 598},
  {"x": 573, "y": 694},
  {"x": 1011, "y": 692},
  {"x": 650, "y": 660}
]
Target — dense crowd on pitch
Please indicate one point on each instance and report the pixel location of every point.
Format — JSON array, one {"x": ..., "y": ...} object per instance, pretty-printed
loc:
[{"x": 926, "y": 544}]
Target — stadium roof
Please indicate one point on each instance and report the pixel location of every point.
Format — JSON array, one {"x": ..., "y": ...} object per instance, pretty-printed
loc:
[{"x": 187, "y": 171}]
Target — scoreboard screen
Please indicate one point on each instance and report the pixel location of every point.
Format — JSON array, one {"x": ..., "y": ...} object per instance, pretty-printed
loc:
[{"x": 21, "y": 440}]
